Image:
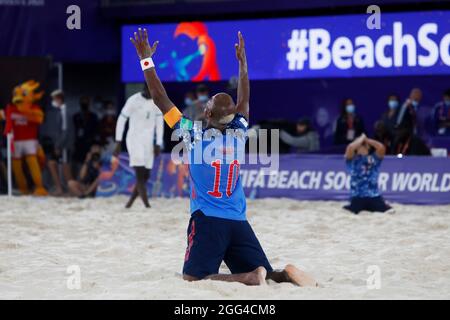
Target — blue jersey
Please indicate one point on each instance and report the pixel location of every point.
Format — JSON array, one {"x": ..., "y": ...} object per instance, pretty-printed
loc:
[
  {"x": 364, "y": 171},
  {"x": 214, "y": 163}
]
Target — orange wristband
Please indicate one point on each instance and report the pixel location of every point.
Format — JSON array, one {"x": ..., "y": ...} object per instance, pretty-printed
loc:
[{"x": 172, "y": 116}]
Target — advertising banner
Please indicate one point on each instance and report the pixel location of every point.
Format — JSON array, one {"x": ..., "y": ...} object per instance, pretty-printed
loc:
[
  {"x": 416, "y": 180},
  {"x": 413, "y": 43}
]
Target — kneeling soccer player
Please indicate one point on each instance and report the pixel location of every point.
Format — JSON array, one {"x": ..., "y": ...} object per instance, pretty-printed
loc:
[
  {"x": 363, "y": 167},
  {"x": 218, "y": 229}
]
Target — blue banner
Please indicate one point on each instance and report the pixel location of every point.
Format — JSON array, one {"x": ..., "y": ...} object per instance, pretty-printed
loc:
[
  {"x": 416, "y": 180},
  {"x": 415, "y": 43}
]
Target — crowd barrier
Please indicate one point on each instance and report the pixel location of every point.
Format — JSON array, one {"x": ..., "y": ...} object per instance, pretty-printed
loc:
[{"x": 414, "y": 180}]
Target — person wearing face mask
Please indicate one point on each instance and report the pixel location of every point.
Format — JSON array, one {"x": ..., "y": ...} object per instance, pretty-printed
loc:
[
  {"x": 407, "y": 114},
  {"x": 442, "y": 115},
  {"x": 349, "y": 125},
  {"x": 363, "y": 166},
  {"x": 56, "y": 141},
  {"x": 193, "y": 109},
  {"x": 389, "y": 117},
  {"x": 202, "y": 93},
  {"x": 86, "y": 130}
]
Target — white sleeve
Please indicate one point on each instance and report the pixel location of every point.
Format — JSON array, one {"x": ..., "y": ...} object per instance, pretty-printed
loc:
[
  {"x": 120, "y": 127},
  {"x": 159, "y": 124},
  {"x": 125, "y": 113}
]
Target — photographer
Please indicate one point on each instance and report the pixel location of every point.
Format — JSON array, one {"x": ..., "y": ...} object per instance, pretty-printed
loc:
[{"x": 86, "y": 185}]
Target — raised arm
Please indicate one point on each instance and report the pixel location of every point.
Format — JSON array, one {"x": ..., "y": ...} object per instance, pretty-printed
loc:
[
  {"x": 157, "y": 91},
  {"x": 243, "y": 93},
  {"x": 380, "y": 149},
  {"x": 351, "y": 148}
]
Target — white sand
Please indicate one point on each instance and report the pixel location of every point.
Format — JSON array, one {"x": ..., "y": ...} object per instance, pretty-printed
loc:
[{"x": 138, "y": 254}]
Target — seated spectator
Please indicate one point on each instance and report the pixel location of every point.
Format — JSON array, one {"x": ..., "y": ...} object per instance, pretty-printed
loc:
[
  {"x": 89, "y": 178},
  {"x": 389, "y": 117},
  {"x": 56, "y": 141},
  {"x": 408, "y": 143},
  {"x": 407, "y": 114},
  {"x": 442, "y": 115},
  {"x": 363, "y": 166},
  {"x": 384, "y": 135},
  {"x": 349, "y": 125},
  {"x": 307, "y": 140}
]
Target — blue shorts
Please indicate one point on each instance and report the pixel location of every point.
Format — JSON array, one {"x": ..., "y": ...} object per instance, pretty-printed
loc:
[
  {"x": 375, "y": 204},
  {"x": 212, "y": 240}
]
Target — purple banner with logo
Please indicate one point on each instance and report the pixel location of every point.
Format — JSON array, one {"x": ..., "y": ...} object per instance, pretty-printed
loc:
[
  {"x": 345, "y": 46},
  {"x": 415, "y": 180}
]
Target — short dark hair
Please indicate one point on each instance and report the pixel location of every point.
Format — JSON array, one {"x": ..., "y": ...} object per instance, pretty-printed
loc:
[{"x": 202, "y": 88}]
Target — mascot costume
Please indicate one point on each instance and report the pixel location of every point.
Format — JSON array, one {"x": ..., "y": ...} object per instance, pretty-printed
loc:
[{"x": 23, "y": 117}]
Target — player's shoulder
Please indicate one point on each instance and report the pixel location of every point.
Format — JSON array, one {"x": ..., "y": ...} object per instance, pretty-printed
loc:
[
  {"x": 238, "y": 122},
  {"x": 135, "y": 97}
]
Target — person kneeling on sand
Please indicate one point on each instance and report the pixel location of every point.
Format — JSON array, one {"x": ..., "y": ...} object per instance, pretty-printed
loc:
[
  {"x": 86, "y": 185},
  {"x": 363, "y": 165}
]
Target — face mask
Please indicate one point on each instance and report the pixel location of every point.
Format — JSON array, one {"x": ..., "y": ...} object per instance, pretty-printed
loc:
[
  {"x": 55, "y": 104},
  {"x": 110, "y": 113},
  {"x": 393, "y": 104},
  {"x": 203, "y": 98},
  {"x": 447, "y": 102},
  {"x": 84, "y": 106},
  {"x": 414, "y": 103},
  {"x": 350, "y": 108},
  {"x": 188, "y": 102}
]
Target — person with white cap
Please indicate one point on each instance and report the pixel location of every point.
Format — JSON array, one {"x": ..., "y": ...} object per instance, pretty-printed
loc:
[{"x": 56, "y": 141}]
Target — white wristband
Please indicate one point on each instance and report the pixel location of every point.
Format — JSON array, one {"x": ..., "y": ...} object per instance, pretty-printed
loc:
[{"x": 147, "y": 63}]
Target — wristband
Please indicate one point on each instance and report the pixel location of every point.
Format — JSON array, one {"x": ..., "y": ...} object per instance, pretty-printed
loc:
[{"x": 147, "y": 63}]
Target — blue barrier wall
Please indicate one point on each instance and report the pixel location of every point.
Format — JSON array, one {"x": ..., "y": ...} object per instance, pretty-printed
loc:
[{"x": 414, "y": 180}]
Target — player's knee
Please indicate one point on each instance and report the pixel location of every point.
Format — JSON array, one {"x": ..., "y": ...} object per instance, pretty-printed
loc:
[{"x": 187, "y": 277}]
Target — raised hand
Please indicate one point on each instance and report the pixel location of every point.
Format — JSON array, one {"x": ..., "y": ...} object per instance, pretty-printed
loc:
[
  {"x": 140, "y": 42},
  {"x": 240, "y": 49}
]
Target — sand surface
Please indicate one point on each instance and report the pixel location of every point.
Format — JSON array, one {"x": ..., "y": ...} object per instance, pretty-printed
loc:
[{"x": 138, "y": 254}]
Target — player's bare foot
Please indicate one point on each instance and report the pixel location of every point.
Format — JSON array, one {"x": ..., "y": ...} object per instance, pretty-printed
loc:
[
  {"x": 299, "y": 277},
  {"x": 257, "y": 277}
]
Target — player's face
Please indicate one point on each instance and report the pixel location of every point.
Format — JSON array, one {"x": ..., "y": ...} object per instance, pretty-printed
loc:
[{"x": 363, "y": 150}]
